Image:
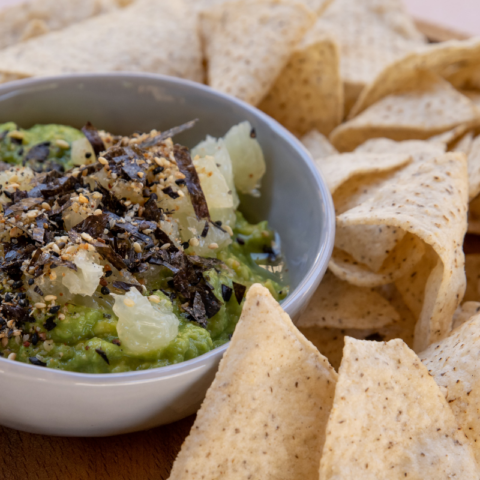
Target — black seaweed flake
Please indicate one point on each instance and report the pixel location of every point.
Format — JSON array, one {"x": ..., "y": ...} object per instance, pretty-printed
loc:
[
  {"x": 50, "y": 324},
  {"x": 226, "y": 292},
  {"x": 239, "y": 290},
  {"x": 15, "y": 312},
  {"x": 37, "y": 362},
  {"x": 94, "y": 138},
  {"x": 59, "y": 186},
  {"x": 151, "y": 211},
  {"x": 103, "y": 355},
  {"x": 205, "y": 230},
  {"x": 127, "y": 286},
  {"x": 185, "y": 165},
  {"x": 170, "y": 192},
  {"x": 197, "y": 310},
  {"x": 107, "y": 252},
  {"x": 110, "y": 202},
  {"x": 23, "y": 205},
  {"x": 93, "y": 225},
  {"x": 37, "y": 154},
  {"x": 168, "y": 134}
]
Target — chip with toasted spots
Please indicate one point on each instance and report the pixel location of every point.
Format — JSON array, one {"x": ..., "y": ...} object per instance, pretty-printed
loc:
[
  {"x": 265, "y": 414},
  {"x": 390, "y": 420}
]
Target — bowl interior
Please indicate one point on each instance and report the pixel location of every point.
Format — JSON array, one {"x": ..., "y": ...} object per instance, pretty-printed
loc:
[{"x": 293, "y": 197}]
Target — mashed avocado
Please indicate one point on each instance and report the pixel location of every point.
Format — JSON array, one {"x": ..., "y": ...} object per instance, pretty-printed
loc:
[
  {"x": 87, "y": 337},
  {"x": 133, "y": 260},
  {"x": 42, "y": 147}
]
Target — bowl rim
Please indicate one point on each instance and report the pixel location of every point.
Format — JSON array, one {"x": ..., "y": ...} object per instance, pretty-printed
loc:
[{"x": 309, "y": 282}]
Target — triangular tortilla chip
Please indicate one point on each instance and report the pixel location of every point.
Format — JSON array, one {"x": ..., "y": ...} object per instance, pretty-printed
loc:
[
  {"x": 438, "y": 58},
  {"x": 37, "y": 17},
  {"x": 429, "y": 200},
  {"x": 427, "y": 106},
  {"x": 453, "y": 363},
  {"x": 248, "y": 43},
  {"x": 308, "y": 93},
  {"x": 390, "y": 420},
  {"x": 340, "y": 305},
  {"x": 265, "y": 414},
  {"x": 371, "y": 34},
  {"x": 318, "y": 145},
  {"x": 148, "y": 36}
]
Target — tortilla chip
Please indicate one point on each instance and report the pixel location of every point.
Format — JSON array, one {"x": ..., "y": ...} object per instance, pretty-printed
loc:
[
  {"x": 465, "y": 77},
  {"x": 427, "y": 106},
  {"x": 412, "y": 147},
  {"x": 249, "y": 42},
  {"x": 148, "y": 36},
  {"x": 449, "y": 137},
  {"x": 318, "y": 145},
  {"x": 37, "y": 17},
  {"x": 395, "y": 75},
  {"x": 474, "y": 216},
  {"x": 429, "y": 200},
  {"x": 340, "y": 305},
  {"x": 390, "y": 420},
  {"x": 472, "y": 272},
  {"x": 464, "y": 313},
  {"x": 371, "y": 34},
  {"x": 265, "y": 414},
  {"x": 473, "y": 156},
  {"x": 339, "y": 169},
  {"x": 453, "y": 363},
  {"x": 308, "y": 93}
]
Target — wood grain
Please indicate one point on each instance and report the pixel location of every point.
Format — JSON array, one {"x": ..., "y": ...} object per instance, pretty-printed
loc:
[{"x": 145, "y": 455}]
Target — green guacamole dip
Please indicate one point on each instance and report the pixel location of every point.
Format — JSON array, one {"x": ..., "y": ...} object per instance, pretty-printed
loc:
[
  {"x": 78, "y": 332},
  {"x": 73, "y": 344},
  {"x": 18, "y": 149}
]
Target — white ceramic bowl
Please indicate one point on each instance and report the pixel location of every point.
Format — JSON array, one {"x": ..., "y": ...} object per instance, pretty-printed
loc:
[{"x": 294, "y": 199}]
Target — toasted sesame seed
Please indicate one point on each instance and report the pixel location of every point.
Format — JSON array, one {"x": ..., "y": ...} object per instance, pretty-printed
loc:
[
  {"x": 128, "y": 302},
  {"x": 12, "y": 356},
  {"x": 17, "y": 333},
  {"x": 137, "y": 247},
  {"x": 49, "y": 298},
  {"x": 82, "y": 198},
  {"x": 4, "y": 342},
  {"x": 32, "y": 213},
  {"x": 154, "y": 299},
  {"x": 180, "y": 193},
  {"x": 97, "y": 212},
  {"x": 228, "y": 229},
  {"x": 86, "y": 237},
  {"x": 61, "y": 316},
  {"x": 140, "y": 174},
  {"x": 165, "y": 246},
  {"x": 46, "y": 206},
  {"x": 97, "y": 195},
  {"x": 213, "y": 246},
  {"x": 16, "y": 134},
  {"x": 103, "y": 160},
  {"x": 39, "y": 305},
  {"x": 62, "y": 144},
  {"x": 10, "y": 323},
  {"x": 194, "y": 242},
  {"x": 14, "y": 185}
]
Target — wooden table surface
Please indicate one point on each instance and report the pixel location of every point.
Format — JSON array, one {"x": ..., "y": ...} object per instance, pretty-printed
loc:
[{"x": 145, "y": 455}]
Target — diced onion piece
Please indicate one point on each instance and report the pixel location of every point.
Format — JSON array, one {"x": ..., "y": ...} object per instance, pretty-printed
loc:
[
  {"x": 144, "y": 327},
  {"x": 248, "y": 162},
  {"x": 217, "y": 149},
  {"x": 80, "y": 149},
  {"x": 215, "y": 189},
  {"x": 86, "y": 279}
]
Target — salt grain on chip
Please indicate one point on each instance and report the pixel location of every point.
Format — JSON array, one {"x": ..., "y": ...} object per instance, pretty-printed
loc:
[
  {"x": 390, "y": 420},
  {"x": 453, "y": 363},
  {"x": 249, "y": 42},
  {"x": 265, "y": 414}
]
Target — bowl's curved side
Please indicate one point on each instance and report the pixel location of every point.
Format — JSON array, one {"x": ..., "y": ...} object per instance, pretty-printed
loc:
[{"x": 295, "y": 200}]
